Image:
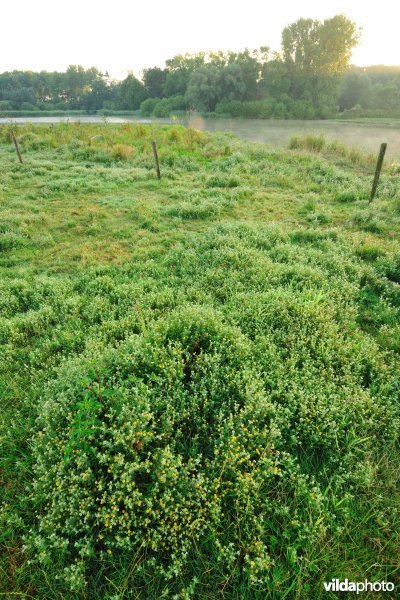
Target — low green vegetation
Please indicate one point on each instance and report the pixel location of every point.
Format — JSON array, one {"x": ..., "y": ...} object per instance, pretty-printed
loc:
[{"x": 198, "y": 375}]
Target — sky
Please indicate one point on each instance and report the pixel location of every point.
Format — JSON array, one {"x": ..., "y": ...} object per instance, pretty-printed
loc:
[{"x": 123, "y": 35}]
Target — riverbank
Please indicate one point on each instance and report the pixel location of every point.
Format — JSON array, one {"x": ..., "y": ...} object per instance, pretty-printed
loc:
[
  {"x": 353, "y": 116},
  {"x": 390, "y": 121},
  {"x": 199, "y": 374},
  {"x": 362, "y": 135},
  {"x": 13, "y": 114}
]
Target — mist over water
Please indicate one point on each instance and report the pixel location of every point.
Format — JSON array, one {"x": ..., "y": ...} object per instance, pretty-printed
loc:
[{"x": 366, "y": 136}]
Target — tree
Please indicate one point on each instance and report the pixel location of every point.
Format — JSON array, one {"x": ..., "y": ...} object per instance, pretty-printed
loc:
[
  {"x": 101, "y": 92},
  {"x": 210, "y": 84},
  {"x": 316, "y": 54},
  {"x": 179, "y": 70},
  {"x": 153, "y": 81},
  {"x": 251, "y": 64},
  {"x": 355, "y": 90},
  {"x": 386, "y": 96},
  {"x": 75, "y": 84},
  {"x": 275, "y": 79},
  {"x": 203, "y": 88},
  {"x": 187, "y": 62},
  {"x": 131, "y": 92},
  {"x": 320, "y": 48}
]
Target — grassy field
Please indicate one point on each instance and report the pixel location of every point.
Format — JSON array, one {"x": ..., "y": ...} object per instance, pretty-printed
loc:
[{"x": 199, "y": 375}]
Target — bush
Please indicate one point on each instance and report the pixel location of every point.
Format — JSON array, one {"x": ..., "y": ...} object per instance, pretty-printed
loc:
[
  {"x": 199, "y": 434},
  {"x": 232, "y": 108},
  {"x": 222, "y": 181},
  {"x": 345, "y": 196},
  {"x": 147, "y": 106},
  {"x": 122, "y": 151},
  {"x": 6, "y": 105},
  {"x": 110, "y": 462},
  {"x": 367, "y": 221},
  {"x": 166, "y": 106},
  {"x": 33, "y": 141},
  {"x": 257, "y": 109},
  {"x": 195, "y": 209},
  {"x": 390, "y": 268},
  {"x": 162, "y": 108},
  {"x": 280, "y": 111},
  {"x": 311, "y": 141},
  {"x": 369, "y": 252}
]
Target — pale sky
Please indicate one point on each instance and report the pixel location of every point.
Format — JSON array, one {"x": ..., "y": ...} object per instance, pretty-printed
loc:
[{"x": 126, "y": 35}]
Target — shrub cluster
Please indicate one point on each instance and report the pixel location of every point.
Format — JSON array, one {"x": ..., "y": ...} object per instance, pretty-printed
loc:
[{"x": 216, "y": 427}]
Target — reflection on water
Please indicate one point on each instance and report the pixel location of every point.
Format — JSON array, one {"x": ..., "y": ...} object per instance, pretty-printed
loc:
[{"x": 367, "y": 136}]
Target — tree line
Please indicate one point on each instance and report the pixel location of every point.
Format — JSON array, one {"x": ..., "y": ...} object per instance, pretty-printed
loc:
[
  {"x": 374, "y": 89},
  {"x": 309, "y": 78}
]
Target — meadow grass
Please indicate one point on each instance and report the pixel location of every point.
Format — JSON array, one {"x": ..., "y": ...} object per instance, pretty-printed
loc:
[{"x": 199, "y": 375}]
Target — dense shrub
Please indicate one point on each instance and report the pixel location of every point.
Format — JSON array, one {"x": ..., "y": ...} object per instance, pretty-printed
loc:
[
  {"x": 157, "y": 445},
  {"x": 162, "y": 108},
  {"x": 285, "y": 108},
  {"x": 147, "y": 106}
]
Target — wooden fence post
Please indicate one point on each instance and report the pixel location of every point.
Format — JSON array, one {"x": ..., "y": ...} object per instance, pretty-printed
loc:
[
  {"x": 156, "y": 159},
  {"x": 378, "y": 170},
  {"x": 16, "y": 146}
]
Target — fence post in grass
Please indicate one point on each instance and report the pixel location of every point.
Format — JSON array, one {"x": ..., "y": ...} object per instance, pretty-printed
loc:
[
  {"x": 378, "y": 170},
  {"x": 156, "y": 159},
  {"x": 16, "y": 145}
]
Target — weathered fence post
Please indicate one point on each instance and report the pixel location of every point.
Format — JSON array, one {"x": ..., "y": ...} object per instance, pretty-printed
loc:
[
  {"x": 156, "y": 159},
  {"x": 378, "y": 170},
  {"x": 16, "y": 146}
]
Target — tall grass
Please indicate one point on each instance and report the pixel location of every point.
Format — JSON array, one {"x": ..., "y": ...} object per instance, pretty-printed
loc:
[{"x": 314, "y": 142}]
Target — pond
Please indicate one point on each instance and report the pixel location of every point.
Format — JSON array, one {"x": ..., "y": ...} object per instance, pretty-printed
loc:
[{"x": 365, "y": 135}]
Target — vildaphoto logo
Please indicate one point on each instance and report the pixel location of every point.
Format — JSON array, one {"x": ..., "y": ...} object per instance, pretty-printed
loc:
[{"x": 358, "y": 586}]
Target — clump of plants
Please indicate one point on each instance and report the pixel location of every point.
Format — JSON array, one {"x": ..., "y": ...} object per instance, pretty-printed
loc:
[
  {"x": 213, "y": 434},
  {"x": 313, "y": 142},
  {"x": 154, "y": 450},
  {"x": 122, "y": 151}
]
